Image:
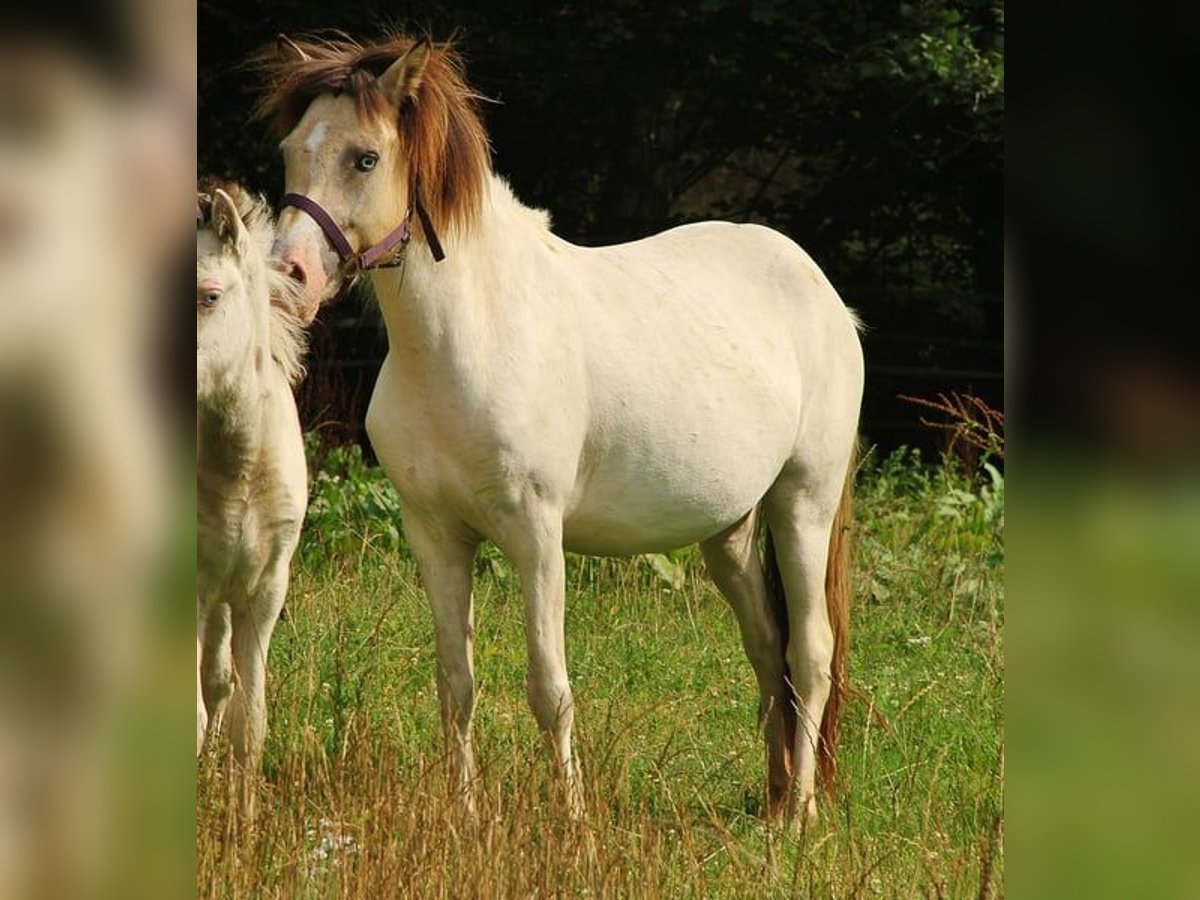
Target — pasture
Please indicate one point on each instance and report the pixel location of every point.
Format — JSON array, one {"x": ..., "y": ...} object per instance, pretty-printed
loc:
[{"x": 354, "y": 798}]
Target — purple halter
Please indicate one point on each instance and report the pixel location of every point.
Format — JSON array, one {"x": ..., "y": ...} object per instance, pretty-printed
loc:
[{"x": 388, "y": 253}]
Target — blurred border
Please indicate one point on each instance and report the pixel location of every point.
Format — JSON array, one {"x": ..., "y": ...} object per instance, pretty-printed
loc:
[
  {"x": 1103, "y": 383},
  {"x": 97, "y": 524}
]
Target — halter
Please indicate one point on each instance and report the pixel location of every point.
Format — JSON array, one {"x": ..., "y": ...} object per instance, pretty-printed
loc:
[{"x": 386, "y": 254}]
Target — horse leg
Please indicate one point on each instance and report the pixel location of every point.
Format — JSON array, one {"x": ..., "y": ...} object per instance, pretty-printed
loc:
[
  {"x": 444, "y": 560},
  {"x": 538, "y": 556},
  {"x": 215, "y": 665},
  {"x": 253, "y": 622},
  {"x": 800, "y": 524},
  {"x": 733, "y": 562}
]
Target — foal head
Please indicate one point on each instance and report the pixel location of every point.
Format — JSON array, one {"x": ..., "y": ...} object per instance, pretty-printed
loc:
[
  {"x": 363, "y": 129},
  {"x": 232, "y": 286}
]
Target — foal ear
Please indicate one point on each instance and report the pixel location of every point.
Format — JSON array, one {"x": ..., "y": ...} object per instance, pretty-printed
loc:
[
  {"x": 403, "y": 77},
  {"x": 228, "y": 224}
]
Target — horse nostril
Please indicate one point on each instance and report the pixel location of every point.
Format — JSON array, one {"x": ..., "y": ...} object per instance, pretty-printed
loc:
[{"x": 296, "y": 272}]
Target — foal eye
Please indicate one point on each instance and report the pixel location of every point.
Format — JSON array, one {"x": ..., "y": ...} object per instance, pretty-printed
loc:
[
  {"x": 208, "y": 299},
  {"x": 366, "y": 162}
]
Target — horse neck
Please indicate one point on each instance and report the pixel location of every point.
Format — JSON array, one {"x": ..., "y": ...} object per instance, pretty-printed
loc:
[
  {"x": 433, "y": 306},
  {"x": 228, "y": 439},
  {"x": 232, "y": 401}
]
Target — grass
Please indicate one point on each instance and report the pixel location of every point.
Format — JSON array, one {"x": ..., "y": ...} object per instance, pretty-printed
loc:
[{"x": 354, "y": 801}]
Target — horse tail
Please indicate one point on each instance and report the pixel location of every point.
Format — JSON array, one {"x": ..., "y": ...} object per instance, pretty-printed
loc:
[
  {"x": 777, "y": 605},
  {"x": 838, "y": 592}
]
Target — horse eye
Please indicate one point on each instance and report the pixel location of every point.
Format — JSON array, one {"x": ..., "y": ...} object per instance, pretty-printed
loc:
[
  {"x": 208, "y": 299},
  {"x": 366, "y": 162}
]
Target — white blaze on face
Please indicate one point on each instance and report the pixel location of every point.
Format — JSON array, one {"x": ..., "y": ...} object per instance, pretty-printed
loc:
[
  {"x": 317, "y": 138},
  {"x": 301, "y": 227},
  {"x": 301, "y": 247}
]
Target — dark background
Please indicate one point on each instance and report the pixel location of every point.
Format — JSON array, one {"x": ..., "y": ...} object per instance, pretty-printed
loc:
[{"x": 871, "y": 133}]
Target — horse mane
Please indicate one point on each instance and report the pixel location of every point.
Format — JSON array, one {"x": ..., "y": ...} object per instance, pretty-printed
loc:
[
  {"x": 288, "y": 338},
  {"x": 440, "y": 130}
]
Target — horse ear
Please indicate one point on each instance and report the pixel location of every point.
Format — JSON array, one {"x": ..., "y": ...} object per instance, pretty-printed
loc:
[
  {"x": 403, "y": 77},
  {"x": 228, "y": 224},
  {"x": 289, "y": 50}
]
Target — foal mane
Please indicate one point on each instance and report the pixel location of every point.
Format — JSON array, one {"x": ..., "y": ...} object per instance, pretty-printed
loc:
[
  {"x": 288, "y": 337},
  {"x": 440, "y": 130}
]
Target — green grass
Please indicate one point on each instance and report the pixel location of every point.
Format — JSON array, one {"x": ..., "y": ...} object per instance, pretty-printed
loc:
[{"x": 354, "y": 799}]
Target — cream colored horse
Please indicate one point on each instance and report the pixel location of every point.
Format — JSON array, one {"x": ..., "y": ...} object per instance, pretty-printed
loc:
[
  {"x": 612, "y": 400},
  {"x": 251, "y": 483}
]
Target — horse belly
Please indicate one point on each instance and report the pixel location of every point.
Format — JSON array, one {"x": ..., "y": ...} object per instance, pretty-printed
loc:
[
  {"x": 659, "y": 488},
  {"x": 610, "y": 526}
]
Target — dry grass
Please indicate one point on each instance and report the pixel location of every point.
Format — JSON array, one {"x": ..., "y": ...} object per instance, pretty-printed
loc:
[{"x": 973, "y": 431}]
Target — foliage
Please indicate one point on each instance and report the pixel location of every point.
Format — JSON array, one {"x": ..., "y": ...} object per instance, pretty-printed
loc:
[
  {"x": 952, "y": 508},
  {"x": 871, "y": 132},
  {"x": 355, "y": 800},
  {"x": 352, "y": 507}
]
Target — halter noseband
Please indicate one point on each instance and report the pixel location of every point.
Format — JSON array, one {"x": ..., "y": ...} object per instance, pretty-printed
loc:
[{"x": 386, "y": 254}]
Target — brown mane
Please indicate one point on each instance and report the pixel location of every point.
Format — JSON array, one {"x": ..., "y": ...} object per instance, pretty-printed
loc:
[{"x": 440, "y": 130}]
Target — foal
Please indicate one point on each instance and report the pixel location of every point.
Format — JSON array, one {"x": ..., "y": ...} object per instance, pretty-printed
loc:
[{"x": 251, "y": 482}]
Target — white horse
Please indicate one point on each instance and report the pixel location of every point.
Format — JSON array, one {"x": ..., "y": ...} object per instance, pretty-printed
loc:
[
  {"x": 612, "y": 400},
  {"x": 251, "y": 482}
]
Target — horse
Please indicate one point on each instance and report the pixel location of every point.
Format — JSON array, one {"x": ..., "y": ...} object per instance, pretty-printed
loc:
[
  {"x": 251, "y": 478},
  {"x": 695, "y": 386}
]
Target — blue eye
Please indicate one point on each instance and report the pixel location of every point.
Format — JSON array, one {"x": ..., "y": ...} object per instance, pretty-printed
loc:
[{"x": 366, "y": 162}]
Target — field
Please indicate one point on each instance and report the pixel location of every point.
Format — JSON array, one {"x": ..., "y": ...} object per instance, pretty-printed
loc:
[{"x": 354, "y": 802}]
